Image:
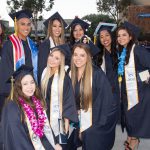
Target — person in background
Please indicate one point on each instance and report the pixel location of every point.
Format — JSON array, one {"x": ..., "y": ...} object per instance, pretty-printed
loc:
[
  {"x": 94, "y": 101},
  {"x": 55, "y": 36},
  {"x": 2, "y": 35},
  {"x": 133, "y": 76},
  {"x": 25, "y": 124},
  {"x": 78, "y": 29},
  {"x": 18, "y": 50},
  {"x": 57, "y": 89},
  {"x": 107, "y": 59}
]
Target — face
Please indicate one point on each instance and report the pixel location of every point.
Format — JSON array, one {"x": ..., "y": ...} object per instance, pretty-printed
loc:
[
  {"x": 79, "y": 57},
  {"x": 56, "y": 28},
  {"x": 78, "y": 32},
  {"x": 54, "y": 60},
  {"x": 28, "y": 85},
  {"x": 123, "y": 38},
  {"x": 105, "y": 38},
  {"x": 23, "y": 27}
]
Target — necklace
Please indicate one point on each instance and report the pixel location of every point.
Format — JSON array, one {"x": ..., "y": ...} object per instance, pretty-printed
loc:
[
  {"x": 37, "y": 124},
  {"x": 121, "y": 63}
]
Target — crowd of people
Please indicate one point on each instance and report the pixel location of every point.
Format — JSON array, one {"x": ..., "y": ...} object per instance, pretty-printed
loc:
[{"x": 64, "y": 95}]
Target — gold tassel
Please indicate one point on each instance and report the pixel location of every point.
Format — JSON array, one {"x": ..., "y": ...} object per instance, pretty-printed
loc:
[
  {"x": 12, "y": 88},
  {"x": 94, "y": 39},
  {"x": 120, "y": 79},
  {"x": 15, "y": 26}
]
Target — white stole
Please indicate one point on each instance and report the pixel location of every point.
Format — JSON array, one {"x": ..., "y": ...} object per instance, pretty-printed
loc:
[
  {"x": 131, "y": 81},
  {"x": 55, "y": 105},
  {"x": 103, "y": 65},
  {"x": 47, "y": 132},
  {"x": 51, "y": 42}
]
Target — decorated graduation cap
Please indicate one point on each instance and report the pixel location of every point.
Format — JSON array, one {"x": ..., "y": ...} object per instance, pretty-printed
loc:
[
  {"x": 53, "y": 17},
  {"x": 65, "y": 49},
  {"x": 102, "y": 26},
  {"x": 21, "y": 72},
  {"x": 134, "y": 29},
  {"x": 86, "y": 40},
  {"x": 20, "y": 14},
  {"x": 77, "y": 20}
]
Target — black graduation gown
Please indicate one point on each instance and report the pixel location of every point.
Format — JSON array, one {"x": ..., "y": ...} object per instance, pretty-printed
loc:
[
  {"x": 69, "y": 107},
  {"x": 7, "y": 66},
  {"x": 101, "y": 135},
  {"x": 15, "y": 133},
  {"x": 44, "y": 49},
  {"x": 137, "y": 119}
]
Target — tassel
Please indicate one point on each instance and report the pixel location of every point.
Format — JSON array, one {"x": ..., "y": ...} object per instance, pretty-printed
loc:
[
  {"x": 12, "y": 88},
  {"x": 94, "y": 39},
  {"x": 15, "y": 26}
]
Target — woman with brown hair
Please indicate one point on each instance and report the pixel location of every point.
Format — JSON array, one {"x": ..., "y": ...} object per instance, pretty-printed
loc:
[
  {"x": 55, "y": 36},
  {"x": 2, "y": 34},
  {"x": 94, "y": 101},
  {"x": 25, "y": 124},
  {"x": 133, "y": 76}
]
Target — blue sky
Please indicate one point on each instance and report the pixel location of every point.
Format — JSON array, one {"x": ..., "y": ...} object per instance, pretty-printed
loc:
[{"x": 67, "y": 8}]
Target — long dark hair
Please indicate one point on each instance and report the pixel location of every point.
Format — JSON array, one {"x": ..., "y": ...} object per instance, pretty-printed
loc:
[
  {"x": 17, "y": 92},
  {"x": 2, "y": 35},
  {"x": 129, "y": 45},
  {"x": 72, "y": 39},
  {"x": 102, "y": 49}
]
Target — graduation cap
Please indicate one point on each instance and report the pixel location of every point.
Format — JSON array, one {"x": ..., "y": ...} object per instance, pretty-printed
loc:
[
  {"x": 66, "y": 50},
  {"x": 21, "y": 14},
  {"x": 84, "y": 24},
  {"x": 53, "y": 17},
  {"x": 102, "y": 26},
  {"x": 86, "y": 40},
  {"x": 22, "y": 71},
  {"x": 134, "y": 29}
]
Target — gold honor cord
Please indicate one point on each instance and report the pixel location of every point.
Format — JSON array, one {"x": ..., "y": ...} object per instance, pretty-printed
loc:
[
  {"x": 15, "y": 26},
  {"x": 95, "y": 39},
  {"x": 12, "y": 88}
]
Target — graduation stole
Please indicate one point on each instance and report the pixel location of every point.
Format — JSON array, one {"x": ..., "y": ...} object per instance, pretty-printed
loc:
[
  {"x": 85, "y": 118},
  {"x": 51, "y": 43},
  {"x": 131, "y": 81},
  {"x": 18, "y": 53},
  {"x": 56, "y": 106},
  {"x": 36, "y": 139},
  {"x": 103, "y": 65}
]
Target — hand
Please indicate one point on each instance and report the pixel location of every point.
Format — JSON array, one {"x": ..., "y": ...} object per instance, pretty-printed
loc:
[
  {"x": 58, "y": 147},
  {"x": 147, "y": 81}
]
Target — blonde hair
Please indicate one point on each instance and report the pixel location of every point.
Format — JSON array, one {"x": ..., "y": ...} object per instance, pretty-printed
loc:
[
  {"x": 50, "y": 33},
  {"x": 86, "y": 80},
  {"x": 48, "y": 74}
]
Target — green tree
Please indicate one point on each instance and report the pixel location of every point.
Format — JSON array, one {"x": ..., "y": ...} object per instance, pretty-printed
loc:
[
  {"x": 112, "y": 7},
  {"x": 95, "y": 19},
  {"x": 36, "y": 6}
]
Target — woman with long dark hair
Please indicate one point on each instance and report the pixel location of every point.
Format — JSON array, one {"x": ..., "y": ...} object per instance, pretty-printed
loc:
[
  {"x": 25, "y": 124},
  {"x": 2, "y": 35},
  {"x": 133, "y": 76}
]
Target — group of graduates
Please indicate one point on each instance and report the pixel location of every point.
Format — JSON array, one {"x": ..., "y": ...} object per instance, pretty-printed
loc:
[{"x": 66, "y": 95}]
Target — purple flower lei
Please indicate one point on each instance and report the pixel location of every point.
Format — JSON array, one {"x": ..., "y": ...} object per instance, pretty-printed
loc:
[{"x": 36, "y": 124}]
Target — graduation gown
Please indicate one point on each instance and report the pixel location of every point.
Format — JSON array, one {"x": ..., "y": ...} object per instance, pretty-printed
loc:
[
  {"x": 44, "y": 49},
  {"x": 137, "y": 119},
  {"x": 101, "y": 135},
  {"x": 15, "y": 133},
  {"x": 7, "y": 67},
  {"x": 69, "y": 108}
]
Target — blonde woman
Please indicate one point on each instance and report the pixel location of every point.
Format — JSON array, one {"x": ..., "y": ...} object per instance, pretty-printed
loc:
[
  {"x": 57, "y": 89},
  {"x": 55, "y": 36},
  {"x": 94, "y": 101}
]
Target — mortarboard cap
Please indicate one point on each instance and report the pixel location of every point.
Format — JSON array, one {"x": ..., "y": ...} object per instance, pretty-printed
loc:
[
  {"x": 102, "y": 26},
  {"x": 22, "y": 71},
  {"x": 94, "y": 49},
  {"x": 66, "y": 50},
  {"x": 134, "y": 29},
  {"x": 84, "y": 24},
  {"x": 21, "y": 14},
  {"x": 53, "y": 17}
]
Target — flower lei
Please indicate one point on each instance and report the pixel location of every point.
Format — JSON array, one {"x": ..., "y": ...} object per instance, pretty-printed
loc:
[
  {"x": 121, "y": 64},
  {"x": 36, "y": 124}
]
